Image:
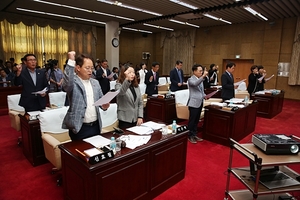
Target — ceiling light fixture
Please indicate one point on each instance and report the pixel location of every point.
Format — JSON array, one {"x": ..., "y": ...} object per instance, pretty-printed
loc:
[
  {"x": 84, "y": 10},
  {"x": 63, "y": 16},
  {"x": 160, "y": 27},
  {"x": 120, "y": 4},
  {"x": 216, "y": 18},
  {"x": 184, "y": 4},
  {"x": 253, "y": 12},
  {"x": 138, "y": 30},
  {"x": 183, "y": 23}
]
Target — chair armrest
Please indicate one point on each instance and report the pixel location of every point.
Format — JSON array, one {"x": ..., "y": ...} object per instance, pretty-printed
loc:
[{"x": 51, "y": 140}]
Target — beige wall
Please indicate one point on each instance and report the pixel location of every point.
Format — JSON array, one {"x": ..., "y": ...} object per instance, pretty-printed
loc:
[{"x": 266, "y": 44}]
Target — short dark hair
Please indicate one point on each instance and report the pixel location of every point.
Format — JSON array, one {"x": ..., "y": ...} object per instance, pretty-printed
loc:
[
  {"x": 230, "y": 65},
  {"x": 195, "y": 67},
  {"x": 154, "y": 64},
  {"x": 30, "y": 54},
  {"x": 80, "y": 59},
  {"x": 211, "y": 66},
  {"x": 253, "y": 67},
  {"x": 260, "y": 67},
  {"x": 178, "y": 62}
]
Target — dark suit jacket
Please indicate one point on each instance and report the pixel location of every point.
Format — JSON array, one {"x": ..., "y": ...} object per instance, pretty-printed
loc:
[
  {"x": 151, "y": 87},
  {"x": 28, "y": 100},
  {"x": 227, "y": 86},
  {"x": 252, "y": 83},
  {"x": 104, "y": 82},
  {"x": 9, "y": 77},
  {"x": 174, "y": 78},
  {"x": 260, "y": 86}
]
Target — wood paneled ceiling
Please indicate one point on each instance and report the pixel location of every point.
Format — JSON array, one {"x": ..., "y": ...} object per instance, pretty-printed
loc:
[{"x": 229, "y": 10}]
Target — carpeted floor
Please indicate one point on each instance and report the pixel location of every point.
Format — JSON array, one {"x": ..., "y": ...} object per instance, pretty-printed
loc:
[{"x": 206, "y": 166}]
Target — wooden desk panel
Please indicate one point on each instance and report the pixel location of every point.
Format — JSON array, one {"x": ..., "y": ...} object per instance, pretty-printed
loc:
[
  {"x": 161, "y": 110},
  {"x": 269, "y": 105},
  {"x": 220, "y": 125},
  {"x": 142, "y": 173},
  {"x": 32, "y": 143}
]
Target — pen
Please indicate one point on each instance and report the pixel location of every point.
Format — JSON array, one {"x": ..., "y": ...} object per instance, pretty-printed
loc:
[{"x": 80, "y": 152}]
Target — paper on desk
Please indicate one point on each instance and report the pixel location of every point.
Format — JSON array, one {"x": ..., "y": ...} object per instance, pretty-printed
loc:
[
  {"x": 153, "y": 125},
  {"x": 133, "y": 141},
  {"x": 141, "y": 130},
  {"x": 238, "y": 83},
  {"x": 34, "y": 113},
  {"x": 97, "y": 141},
  {"x": 236, "y": 105},
  {"x": 106, "y": 98},
  {"x": 41, "y": 91},
  {"x": 235, "y": 100}
]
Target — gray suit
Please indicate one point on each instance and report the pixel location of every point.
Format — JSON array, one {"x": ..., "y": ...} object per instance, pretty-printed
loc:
[
  {"x": 196, "y": 91},
  {"x": 195, "y": 103},
  {"x": 78, "y": 101},
  {"x": 128, "y": 109}
]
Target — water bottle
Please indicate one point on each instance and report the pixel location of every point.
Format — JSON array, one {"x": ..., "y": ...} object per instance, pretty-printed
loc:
[
  {"x": 246, "y": 100},
  {"x": 113, "y": 144},
  {"x": 174, "y": 127}
]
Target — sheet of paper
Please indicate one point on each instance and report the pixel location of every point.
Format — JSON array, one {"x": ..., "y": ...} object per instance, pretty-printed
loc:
[
  {"x": 41, "y": 91},
  {"x": 153, "y": 125},
  {"x": 238, "y": 83},
  {"x": 269, "y": 77},
  {"x": 34, "y": 113},
  {"x": 211, "y": 94},
  {"x": 133, "y": 141},
  {"x": 261, "y": 78},
  {"x": 97, "y": 141},
  {"x": 106, "y": 98},
  {"x": 141, "y": 130},
  {"x": 111, "y": 75},
  {"x": 235, "y": 100}
]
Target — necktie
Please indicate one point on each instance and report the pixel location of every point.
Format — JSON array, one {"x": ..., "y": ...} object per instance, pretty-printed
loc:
[
  {"x": 154, "y": 76},
  {"x": 179, "y": 74}
]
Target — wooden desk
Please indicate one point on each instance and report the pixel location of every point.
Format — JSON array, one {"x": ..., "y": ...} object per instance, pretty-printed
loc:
[
  {"x": 220, "y": 125},
  {"x": 32, "y": 143},
  {"x": 142, "y": 173},
  {"x": 269, "y": 105},
  {"x": 161, "y": 110}
]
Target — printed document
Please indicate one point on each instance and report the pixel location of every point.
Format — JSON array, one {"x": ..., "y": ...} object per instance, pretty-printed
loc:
[
  {"x": 133, "y": 141},
  {"x": 238, "y": 83},
  {"x": 41, "y": 91},
  {"x": 97, "y": 141},
  {"x": 106, "y": 98},
  {"x": 153, "y": 125},
  {"x": 141, "y": 130}
]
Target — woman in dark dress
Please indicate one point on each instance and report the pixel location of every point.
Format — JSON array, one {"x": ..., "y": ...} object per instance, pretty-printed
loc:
[{"x": 252, "y": 80}]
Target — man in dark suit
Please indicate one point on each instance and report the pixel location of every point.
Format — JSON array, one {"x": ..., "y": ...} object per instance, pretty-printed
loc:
[
  {"x": 151, "y": 79},
  {"x": 176, "y": 77},
  {"x": 32, "y": 80},
  {"x": 102, "y": 75},
  {"x": 228, "y": 82}
]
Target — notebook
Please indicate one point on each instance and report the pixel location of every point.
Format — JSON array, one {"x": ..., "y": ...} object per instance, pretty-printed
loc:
[{"x": 277, "y": 179}]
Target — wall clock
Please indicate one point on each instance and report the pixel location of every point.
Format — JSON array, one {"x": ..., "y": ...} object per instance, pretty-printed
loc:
[{"x": 115, "y": 42}]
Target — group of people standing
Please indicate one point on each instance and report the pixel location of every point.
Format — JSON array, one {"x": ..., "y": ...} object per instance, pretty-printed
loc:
[{"x": 256, "y": 79}]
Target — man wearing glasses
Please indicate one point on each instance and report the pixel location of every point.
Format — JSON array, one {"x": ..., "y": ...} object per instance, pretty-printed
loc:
[{"x": 32, "y": 80}]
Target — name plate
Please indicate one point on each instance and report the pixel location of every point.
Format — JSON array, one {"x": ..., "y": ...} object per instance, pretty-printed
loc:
[{"x": 105, "y": 154}]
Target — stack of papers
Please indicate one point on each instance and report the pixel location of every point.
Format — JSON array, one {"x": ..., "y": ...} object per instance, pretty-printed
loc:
[
  {"x": 97, "y": 141},
  {"x": 133, "y": 141},
  {"x": 235, "y": 100},
  {"x": 153, "y": 125},
  {"x": 141, "y": 130}
]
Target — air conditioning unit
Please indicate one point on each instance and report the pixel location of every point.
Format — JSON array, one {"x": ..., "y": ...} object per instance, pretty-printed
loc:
[{"x": 146, "y": 55}]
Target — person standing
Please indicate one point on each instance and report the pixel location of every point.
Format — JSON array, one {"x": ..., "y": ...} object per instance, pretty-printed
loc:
[
  {"x": 195, "y": 101},
  {"x": 129, "y": 100},
  {"x": 55, "y": 76},
  {"x": 82, "y": 119},
  {"x": 142, "y": 72},
  {"x": 32, "y": 80},
  {"x": 228, "y": 82},
  {"x": 252, "y": 80},
  {"x": 151, "y": 79},
  {"x": 176, "y": 77},
  {"x": 102, "y": 75},
  {"x": 213, "y": 74}
]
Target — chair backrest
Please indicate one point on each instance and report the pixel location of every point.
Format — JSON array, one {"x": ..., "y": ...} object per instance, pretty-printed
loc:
[
  {"x": 168, "y": 80},
  {"x": 112, "y": 85},
  {"x": 162, "y": 80},
  {"x": 57, "y": 98},
  {"x": 51, "y": 120},
  {"x": 109, "y": 116},
  {"x": 182, "y": 96},
  {"x": 13, "y": 102}
]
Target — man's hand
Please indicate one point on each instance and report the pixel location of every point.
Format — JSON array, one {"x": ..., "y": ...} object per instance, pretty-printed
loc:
[
  {"x": 71, "y": 55},
  {"x": 139, "y": 121},
  {"x": 105, "y": 106},
  {"x": 19, "y": 69}
]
